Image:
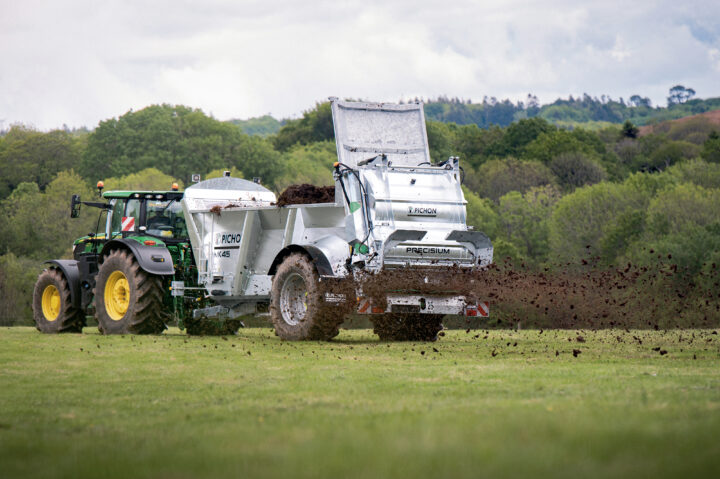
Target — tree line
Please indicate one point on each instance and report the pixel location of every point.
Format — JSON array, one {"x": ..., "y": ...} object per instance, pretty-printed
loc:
[{"x": 583, "y": 111}]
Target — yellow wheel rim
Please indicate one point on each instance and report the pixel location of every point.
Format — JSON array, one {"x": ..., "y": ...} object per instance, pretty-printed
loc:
[
  {"x": 117, "y": 295},
  {"x": 51, "y": 302}
]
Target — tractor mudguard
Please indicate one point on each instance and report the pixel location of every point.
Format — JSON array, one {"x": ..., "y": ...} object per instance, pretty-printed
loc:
[
  {"x": 152, "y": 259},
  {"x": 69, "y": 269}
]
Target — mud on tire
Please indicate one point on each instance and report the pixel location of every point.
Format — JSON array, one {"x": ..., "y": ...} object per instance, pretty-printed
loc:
[
  {"x": 407, "y": 327},
  {"x": 53, "y": 311},
  {"x": 127, "y": 299},
  {"x": 297, "y": 309}
]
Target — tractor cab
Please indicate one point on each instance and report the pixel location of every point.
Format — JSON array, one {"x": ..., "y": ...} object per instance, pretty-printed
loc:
[
  {"x": 146, "y": 213},
  {"x": 134, "y": 213}
]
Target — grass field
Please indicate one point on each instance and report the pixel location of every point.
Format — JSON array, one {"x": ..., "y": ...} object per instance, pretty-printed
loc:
[{"x": 496, "y": 404}]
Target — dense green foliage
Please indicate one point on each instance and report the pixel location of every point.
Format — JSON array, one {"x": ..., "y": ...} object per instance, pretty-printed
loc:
[
  {"x": 177, "y": 140},
  {"x": 544, "y": 194},
  {"x": 315, "y": 125},
  {"x": 29, "y": 155},
  {"x": 311, "y": 163}
]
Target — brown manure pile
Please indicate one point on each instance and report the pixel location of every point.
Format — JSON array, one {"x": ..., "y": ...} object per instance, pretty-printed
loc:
[{"x": 306, "y": 194}]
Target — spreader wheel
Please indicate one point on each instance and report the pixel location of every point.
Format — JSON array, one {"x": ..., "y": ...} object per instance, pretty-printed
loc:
[{"x": 297, "y": 308}]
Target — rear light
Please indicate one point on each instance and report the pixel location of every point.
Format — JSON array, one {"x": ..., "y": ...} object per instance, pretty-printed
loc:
[
  {"x": 149, "y": 243},
  {"x": 471, "y": 311}
]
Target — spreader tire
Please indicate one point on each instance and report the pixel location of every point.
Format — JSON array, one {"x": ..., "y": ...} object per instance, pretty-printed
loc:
[
  {"x": 297, "y": 309},
  {"x": 127, "y": 299},
  {"x": 53, "y": 311},
  {"x": 209, "y": 327},
  {"x": 407, "y": 327}
]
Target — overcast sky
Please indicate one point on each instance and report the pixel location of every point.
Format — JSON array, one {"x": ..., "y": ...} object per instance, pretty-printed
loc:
[{"x": 80, "y": 62}]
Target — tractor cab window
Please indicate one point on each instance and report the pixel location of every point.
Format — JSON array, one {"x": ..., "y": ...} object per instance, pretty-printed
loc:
[
  {"x": 131, "y": 218},
  {"x": 101, "y": 223},
  {"x": 116, "y": 217},
  {"x": 165, "y": 219},
  {"x": 125, "y": 216}
]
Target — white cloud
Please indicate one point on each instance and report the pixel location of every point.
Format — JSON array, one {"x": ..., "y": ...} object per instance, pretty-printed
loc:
[
  {"x": 79, "y": 62},
  {"x": 619, "y": 51},
  {"x": 714, "y": 57}
]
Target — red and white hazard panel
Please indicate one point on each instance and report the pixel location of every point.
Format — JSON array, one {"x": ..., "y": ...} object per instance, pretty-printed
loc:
[
  {"x": 481, "y": 309},
  {"x": 365, "y": 307},
  {"x": 128, "y": 223}
]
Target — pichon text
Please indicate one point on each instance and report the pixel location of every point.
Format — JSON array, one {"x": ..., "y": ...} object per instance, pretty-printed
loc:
[
  {"x": 227, "y": 238},
  {"x": 420, "y": 211}
]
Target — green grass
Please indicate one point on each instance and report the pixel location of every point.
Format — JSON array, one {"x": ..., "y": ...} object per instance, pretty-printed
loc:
[{"x": 176, "y": 407}]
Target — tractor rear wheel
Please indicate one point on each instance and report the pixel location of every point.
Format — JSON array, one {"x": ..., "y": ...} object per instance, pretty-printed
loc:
[
  {"x": 128, "y": 300},
  {"x": 407, "y": 327},
  {"x": 53, "y": 311},
  {"x": 297, "y": 309}
]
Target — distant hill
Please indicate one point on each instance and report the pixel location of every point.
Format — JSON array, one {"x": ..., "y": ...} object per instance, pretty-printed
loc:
[
  {"x": 583, "y": 111},
  {"x": 707, "y": 118},
  {"x": 590, "y": 113}
]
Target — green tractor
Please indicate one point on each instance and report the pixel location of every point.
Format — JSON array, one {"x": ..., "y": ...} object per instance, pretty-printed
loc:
[{"x": 123, "y": 272}]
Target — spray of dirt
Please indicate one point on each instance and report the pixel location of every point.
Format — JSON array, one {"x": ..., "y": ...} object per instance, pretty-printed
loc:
[{"x": 567, "y": 296}]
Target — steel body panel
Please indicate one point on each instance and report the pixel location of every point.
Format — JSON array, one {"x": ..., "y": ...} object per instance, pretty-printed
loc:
[{"x": 236, "y": 242}]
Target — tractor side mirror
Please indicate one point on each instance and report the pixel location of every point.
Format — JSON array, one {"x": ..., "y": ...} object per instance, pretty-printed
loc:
[{"x": 75, "y": 206}]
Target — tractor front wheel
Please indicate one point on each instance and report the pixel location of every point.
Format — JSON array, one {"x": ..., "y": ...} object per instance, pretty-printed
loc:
[
  {"x": 128, "y": 300},
  {"x": 53, "y": 311}
]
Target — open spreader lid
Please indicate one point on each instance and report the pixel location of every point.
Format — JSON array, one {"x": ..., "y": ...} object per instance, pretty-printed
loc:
[{"x": 366, "y": 130}]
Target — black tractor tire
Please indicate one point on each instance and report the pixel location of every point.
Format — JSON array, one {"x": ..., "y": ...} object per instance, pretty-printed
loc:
[
  {"x": 53, "y": 311},
  {"x": 135, "y": 297},
  {"x": 297, "y": 309},
  {"x": 209, "y": 327},
  {"x": 407, "y": 327}
]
